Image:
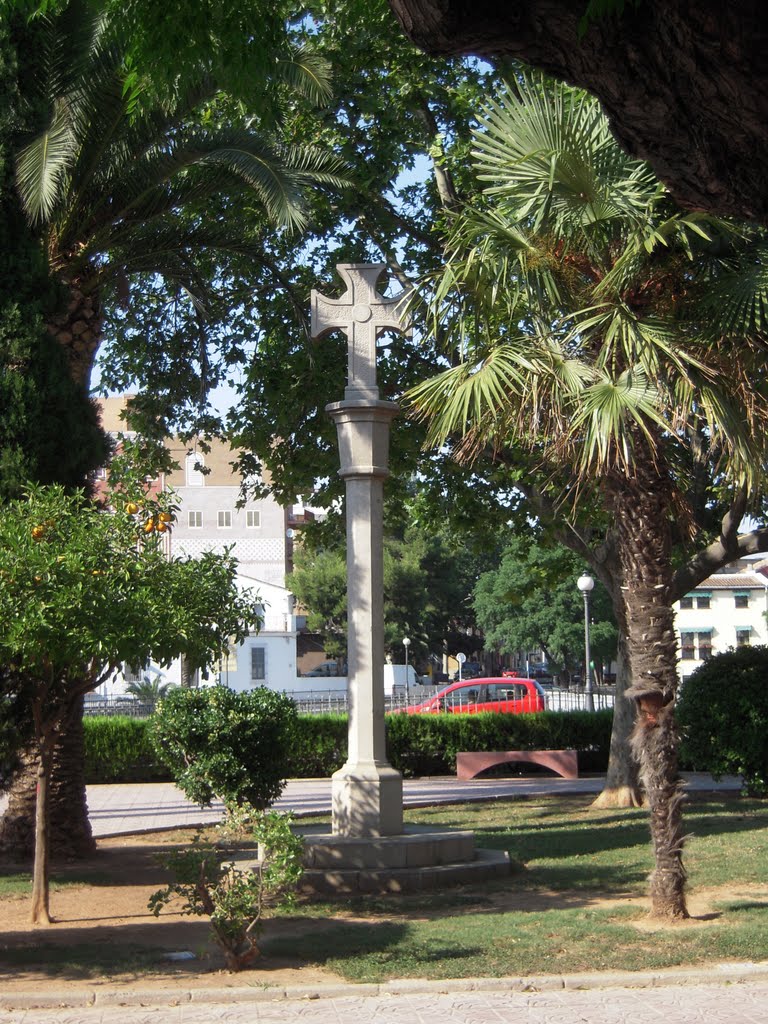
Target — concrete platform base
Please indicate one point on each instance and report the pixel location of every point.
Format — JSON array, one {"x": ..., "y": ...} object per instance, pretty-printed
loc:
[{"x": 417, "y": 860}]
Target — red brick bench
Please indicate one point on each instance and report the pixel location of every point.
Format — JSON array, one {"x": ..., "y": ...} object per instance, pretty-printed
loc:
[{"x": 469, "y": 764}]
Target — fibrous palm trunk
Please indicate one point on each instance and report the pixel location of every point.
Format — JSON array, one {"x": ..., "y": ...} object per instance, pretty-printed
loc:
[
  {"x": 641, "y": 505},
  {"x": 78, "y": 329},
  {"x": 70, "y": 828}
]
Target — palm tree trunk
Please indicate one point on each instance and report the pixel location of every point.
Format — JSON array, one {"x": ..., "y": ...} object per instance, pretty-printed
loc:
[
  {"x": 79, "y": 329},
  {"x": 70, "y": 827},
  {"x": 641, "y": 505}
]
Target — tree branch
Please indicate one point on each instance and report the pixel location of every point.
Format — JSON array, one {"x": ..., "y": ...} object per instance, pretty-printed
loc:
[{"x": 729, "y": 546}]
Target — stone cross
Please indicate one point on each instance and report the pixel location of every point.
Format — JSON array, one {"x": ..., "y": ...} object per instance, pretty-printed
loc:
[
  {"x": 361, "y": 313},
  {"x": 367, "y": 792}
]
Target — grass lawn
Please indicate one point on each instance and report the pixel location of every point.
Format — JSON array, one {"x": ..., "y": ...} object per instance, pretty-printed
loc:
[{"x": 575, "y": 901}]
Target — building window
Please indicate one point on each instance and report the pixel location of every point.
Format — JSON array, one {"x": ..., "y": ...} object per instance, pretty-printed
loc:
[
  {"x": 133, "y": 673},
  {"x": 194, "y": 466},
  {"x": 687, "y": 646},
  {"x": 741, "y": 600},
  {"x": 253, "y": 519},
  {"x": 195, "y": 519},
  {"x": 686, "y": 602},
  {"x": 703, "y": 600},
  {"x": 705, "y": 646},
  {"x": 258, "y": 664},
  {"x": 743, "y": 637},
  {"x": 224, "y": 519}
]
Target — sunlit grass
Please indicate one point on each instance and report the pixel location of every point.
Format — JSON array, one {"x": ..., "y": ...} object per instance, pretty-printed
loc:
[{"x": 572, "y": 903}]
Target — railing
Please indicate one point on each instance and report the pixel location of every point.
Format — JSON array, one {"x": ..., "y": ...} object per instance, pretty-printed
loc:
[
  {"x": 129, "y": 706},
  {"x": 319, "y": 702}
]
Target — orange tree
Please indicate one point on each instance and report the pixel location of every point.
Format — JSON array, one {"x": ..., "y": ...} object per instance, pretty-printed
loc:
[{"x": 85, "y": 589}]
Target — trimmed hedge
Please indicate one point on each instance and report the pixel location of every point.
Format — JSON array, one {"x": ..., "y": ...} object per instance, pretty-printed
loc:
[{"x": 119, "y": 749}]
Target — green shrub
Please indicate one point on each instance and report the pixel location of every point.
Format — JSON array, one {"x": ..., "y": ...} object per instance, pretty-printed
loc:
[
  {"x": 221, "y": 743},
  {"x": 319, "y": 746},
  {"x": 428, "y": 744},
  {"x": 212, "y": 885},
  {"x": 120, "y": 749},
  {"x": 723, "y": 715}
]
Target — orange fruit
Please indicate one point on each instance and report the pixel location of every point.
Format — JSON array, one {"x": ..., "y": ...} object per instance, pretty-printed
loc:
[
  {"x": 165, "y": 517},
  {"x": 131, "y": 508},
  {"x": 149, "y": 526},
  {"x": 161, "y": 526}
]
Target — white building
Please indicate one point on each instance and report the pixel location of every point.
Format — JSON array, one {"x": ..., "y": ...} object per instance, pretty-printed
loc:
[
  {"x": 728, "y": 610},
  {"x": 210, "y": 518}
]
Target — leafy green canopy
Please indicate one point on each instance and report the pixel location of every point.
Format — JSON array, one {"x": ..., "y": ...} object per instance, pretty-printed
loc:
[
  {"x": 531, "y": 602},
  {"x": 84, "y": 590},
  {"x": 428, "y": 582},
  {"x": 35, "y": 385},
  {"x": 393, "y": 111},
  {"x": 590, "y": 319}
]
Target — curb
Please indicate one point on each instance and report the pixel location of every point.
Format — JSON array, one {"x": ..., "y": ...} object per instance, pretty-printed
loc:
[{"x": 714, "y": 974}]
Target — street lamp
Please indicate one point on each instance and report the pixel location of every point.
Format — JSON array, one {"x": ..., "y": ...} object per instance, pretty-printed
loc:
[
  {"x": 586, "y": 585},
  {"x": 406, "y": 643}
]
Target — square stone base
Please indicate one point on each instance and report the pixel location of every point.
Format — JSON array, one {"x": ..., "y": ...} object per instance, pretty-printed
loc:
[{"x": 367, "y": 800}]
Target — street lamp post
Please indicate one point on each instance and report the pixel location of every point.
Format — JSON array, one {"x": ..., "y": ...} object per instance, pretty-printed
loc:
[
  {"x": 586, "y": 585},
  {"x": 406, "y": 642}
]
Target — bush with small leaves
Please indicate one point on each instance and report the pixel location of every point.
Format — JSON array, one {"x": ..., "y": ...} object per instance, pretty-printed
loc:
[
  {"x": 723, "y": 715},
  {"x": 221, "y": 743},
  {"x": 212, "y": 884}
]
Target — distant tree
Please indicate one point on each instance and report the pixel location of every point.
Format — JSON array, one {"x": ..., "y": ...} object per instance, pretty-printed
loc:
[
  {"x": 428, "y": 583},
  {"x": 146, "y": 690},
  {"x": 531, "y": 602}
]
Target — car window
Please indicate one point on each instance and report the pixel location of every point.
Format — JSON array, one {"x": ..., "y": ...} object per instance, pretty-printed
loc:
[
  {"x": 507, "y": 691},
  {"x": 462, "y": 695}
]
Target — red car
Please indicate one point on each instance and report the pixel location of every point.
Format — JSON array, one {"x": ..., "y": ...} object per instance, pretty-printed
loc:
[{"x": 511, "y": 694}]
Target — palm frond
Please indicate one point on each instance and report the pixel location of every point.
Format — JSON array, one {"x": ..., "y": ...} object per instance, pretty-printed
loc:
[
  {"x": 307, "y": 74},
  {"x": 43, "y": 166}
]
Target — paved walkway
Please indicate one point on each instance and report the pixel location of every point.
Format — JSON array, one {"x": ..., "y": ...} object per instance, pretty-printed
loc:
[
  {"x": 672, "y": 998},
  {"x": 121, "y": 808}
]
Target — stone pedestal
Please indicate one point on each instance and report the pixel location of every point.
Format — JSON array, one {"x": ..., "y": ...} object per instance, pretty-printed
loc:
[{"x": 367, "y": 793}]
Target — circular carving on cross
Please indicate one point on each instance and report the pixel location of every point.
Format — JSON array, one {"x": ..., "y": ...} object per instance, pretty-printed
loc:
[{"x": 361, "y": 313}]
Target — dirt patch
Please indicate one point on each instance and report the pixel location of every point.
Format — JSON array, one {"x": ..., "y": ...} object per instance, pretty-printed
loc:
[
  {"x": 103, "y": 905},
  {"x": 104, "y": 935}
]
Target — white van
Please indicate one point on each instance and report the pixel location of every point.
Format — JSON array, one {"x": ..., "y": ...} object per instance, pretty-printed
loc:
[{"x": 395, "y": 676}]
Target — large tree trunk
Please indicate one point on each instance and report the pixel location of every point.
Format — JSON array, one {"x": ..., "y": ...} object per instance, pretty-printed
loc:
[
  {"x": 669, "y": 76},
  {"x": 79, "y": 329},
  {"x": 622, "y": 783},
  {"x": 642, "y": 508},
  {"x": 70, "y": 828}
]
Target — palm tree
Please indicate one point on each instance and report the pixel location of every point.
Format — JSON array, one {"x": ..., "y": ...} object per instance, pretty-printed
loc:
[
  {"x": 147, "y": 691},
  {"x": 119, "y": 184},
  {"x": 614, "y": 343}
]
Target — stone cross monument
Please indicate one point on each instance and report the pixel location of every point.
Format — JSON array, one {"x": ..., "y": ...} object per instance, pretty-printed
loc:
[{"x": 367, "y": 793}]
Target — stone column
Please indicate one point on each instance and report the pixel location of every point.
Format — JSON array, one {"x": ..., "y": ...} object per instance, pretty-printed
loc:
[{"x": 367, "y": 792}]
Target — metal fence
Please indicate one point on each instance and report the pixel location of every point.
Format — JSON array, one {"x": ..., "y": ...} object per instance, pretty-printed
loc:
[{"x": 319, "y": 702}]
